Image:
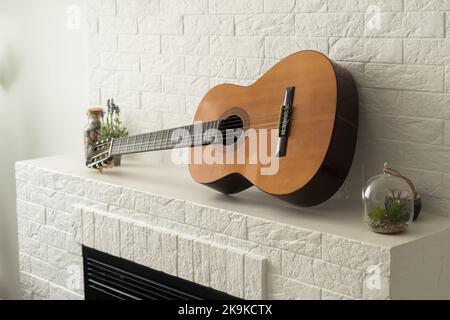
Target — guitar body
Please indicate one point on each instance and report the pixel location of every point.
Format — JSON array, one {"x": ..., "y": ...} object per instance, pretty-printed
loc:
[{"x": 322, "y": 130}]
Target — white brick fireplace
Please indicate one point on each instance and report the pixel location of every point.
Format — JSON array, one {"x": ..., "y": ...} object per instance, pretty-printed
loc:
[
  {"x": 157, "y": 216},
  {"x": 157, "y": 58}
]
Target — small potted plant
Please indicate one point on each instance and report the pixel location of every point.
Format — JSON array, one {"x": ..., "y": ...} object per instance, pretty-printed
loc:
[
  {"x": 394, "y": 216},
  {"x": 391, "y": 202},
  {"x": 113, "y": 128}
]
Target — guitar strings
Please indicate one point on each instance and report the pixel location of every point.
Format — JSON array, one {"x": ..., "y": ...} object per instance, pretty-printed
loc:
[
  {"x": 255, "y": 124},
  {"x": 256, "y": 120},
  {"x": 164, "y": 145},
  {"x": 261, "y": 126},
  {"x": 230, "y": 125},
  {"x": 159, "y": 143},
  {"x": 232, "y": 122},
  {"x": 156, "y": 140}
]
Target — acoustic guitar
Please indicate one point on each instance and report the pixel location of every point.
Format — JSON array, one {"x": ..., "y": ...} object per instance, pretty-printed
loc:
[{"x": 303, "y": 115}]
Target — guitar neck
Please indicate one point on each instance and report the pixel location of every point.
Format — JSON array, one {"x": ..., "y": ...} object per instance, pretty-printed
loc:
[{"x": 188, "y": 136}]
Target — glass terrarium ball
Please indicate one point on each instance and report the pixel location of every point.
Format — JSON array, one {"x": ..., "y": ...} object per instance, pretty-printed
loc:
[{"x": 388, "y": 204}]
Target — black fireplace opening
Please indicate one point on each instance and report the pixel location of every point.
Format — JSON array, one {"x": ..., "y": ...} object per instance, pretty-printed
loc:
[{"x": 107, "y": 277}]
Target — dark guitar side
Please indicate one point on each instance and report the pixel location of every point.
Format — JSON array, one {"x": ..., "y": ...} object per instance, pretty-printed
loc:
[
  {"x": 337, "y": 161},
  {"x": 339, "y": 157}
]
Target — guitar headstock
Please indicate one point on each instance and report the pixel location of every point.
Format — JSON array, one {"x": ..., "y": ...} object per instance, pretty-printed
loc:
[{"x": 99, "y": 156}]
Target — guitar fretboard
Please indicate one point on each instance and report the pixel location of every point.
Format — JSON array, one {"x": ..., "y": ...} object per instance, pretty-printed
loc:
[{"x": 188, "y": 136}]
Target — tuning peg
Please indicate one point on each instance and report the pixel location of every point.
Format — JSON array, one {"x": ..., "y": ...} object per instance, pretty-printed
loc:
[
  {"x": 110, "y": 165},
  {"x": 100, "y": 170}
]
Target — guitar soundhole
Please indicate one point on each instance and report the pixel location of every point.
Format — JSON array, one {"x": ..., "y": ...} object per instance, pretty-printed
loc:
[{"x": 232, "y": 128}]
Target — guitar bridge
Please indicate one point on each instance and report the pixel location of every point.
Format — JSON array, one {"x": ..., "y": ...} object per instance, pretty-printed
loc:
[{"x": 283, "y": 122}]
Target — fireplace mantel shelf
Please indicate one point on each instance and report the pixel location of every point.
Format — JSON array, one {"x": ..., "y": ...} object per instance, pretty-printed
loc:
[
  {"x": 323, "y": 252},
  {"x": 339, "y": 217}
]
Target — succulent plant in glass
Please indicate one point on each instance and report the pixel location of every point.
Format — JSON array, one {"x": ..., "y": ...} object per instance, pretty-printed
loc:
[
  {"x": 389, "y": 201},
  {"x": 393, "y": 217}
]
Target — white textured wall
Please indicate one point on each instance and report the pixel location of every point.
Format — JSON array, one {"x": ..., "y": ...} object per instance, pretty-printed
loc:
[{"x": 158, "y": 58}]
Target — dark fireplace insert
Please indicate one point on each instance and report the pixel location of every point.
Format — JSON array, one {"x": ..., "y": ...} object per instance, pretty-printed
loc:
[{"x": 107, "y": 277}]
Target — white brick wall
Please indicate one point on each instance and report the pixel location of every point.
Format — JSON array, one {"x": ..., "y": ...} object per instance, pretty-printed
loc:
[{"x": 159, "y": 57}]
